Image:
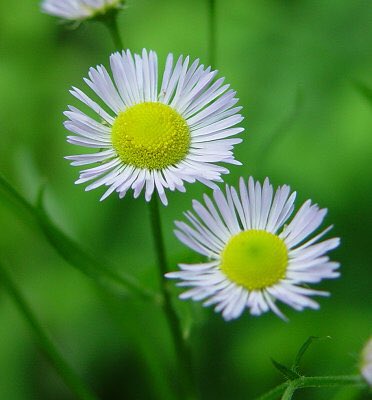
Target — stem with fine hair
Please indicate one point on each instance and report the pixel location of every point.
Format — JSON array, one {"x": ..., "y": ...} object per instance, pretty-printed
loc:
[
  {"x": 72, "y": 380},
  {"x": 181, "y": 347},
  {"x": 289, "y": 392},
  {"x": 287, "y": 389},
  {"x": 274, "y": 393}
]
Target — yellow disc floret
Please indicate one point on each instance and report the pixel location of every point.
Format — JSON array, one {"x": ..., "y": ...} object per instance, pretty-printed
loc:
[
  {"x": 150, "y": 135},
  {"x": 255, "y": 259}
]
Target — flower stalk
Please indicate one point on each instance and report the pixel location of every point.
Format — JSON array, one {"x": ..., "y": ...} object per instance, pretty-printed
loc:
[
  {"x": 180, "y": 344},
  {"x": 111, "y": 23}
]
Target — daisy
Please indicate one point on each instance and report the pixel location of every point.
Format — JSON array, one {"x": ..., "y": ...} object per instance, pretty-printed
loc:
[
  {"x": 255, "y": 259},
  {"x": 366, "y": 362},
  {"x": 78, "y": 10},
  {"x": 154, "y": 138}
]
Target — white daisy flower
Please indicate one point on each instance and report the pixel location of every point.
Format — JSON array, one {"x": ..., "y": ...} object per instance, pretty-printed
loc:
[
  {"x": 366, "y": 362},
  {"x": 254, "y": 258},
  {"x": 78, "y": 10},
  {"x": 154, "y": 138}
]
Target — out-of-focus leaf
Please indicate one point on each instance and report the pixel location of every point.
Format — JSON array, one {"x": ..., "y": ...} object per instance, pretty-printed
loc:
[
  {"x": 69, "y": 376},
  {"x": 71, "y": 251},
  {"x": 287, "y": 372},
  {"x": 364, "y": 90}
]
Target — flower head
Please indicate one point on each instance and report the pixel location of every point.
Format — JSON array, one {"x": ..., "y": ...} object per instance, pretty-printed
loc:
[
  {"x": 79, "y": 10},
  {"x": 154, "y": 138},
  {"x": 366, "y": 362},
  {"x": 254, "y": 258}
]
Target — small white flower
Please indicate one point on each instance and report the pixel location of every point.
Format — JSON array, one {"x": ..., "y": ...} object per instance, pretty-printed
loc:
[
  {"x": 154, "y": 138},
  {"x": 254, "y": 259},
  {"x": 78, "y": 10},
  {"x": 366, "y": 362}
]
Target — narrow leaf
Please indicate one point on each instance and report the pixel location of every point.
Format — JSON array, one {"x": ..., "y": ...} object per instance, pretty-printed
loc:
[
  {"x": 287, "y": 372},
  {"x": 304, "y": 348},
  {"x": 71, "y": 251}
]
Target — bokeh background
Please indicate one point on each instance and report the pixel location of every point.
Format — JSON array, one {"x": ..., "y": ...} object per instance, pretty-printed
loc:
[{"x": 295, "y": 65}]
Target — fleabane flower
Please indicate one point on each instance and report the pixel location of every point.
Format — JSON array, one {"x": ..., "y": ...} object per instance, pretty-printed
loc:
[
  {"x": 366, "y": 362},
  {"x": 79, "y": 10},
  {"x": 255, "y": 258},
  {"x": 154, "y": 137}
]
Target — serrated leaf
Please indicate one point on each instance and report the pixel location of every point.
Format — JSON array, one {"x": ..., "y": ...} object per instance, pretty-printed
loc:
[
  {"x": 304, "y": 348},
  {"x": 287, "y": 372}
]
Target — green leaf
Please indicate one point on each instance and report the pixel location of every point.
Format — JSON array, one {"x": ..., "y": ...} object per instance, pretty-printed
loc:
[
  {"x": 287, "y": 372},
  {"x": 364, "y": 90},
  {"x": 72, "y": 380},
  {"x": 71, "y": 251},
  {"x": 304, "y": 348}
]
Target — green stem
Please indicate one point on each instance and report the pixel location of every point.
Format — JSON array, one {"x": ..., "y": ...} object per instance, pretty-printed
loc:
[
  {"x": 274, "y": 393},
  {"x": 181, "y": 347},
  {"x": 311, "y": 382},
  {"x": 212, "y": 40},
  {"x": 289, "y": 392},
  {"x": 72, "y": 380},
  {"x": 111, "y": 23}
]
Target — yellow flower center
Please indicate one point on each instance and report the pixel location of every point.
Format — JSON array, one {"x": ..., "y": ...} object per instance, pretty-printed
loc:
[
  {"x": 151, "y": 136},
  {"x": 255, "y": 259}
]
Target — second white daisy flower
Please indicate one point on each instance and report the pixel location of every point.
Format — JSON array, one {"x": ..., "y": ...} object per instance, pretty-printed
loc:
[
  {"x": 366, "y": 362},
  {"x": 154, "y": 137},
  {"x": 254, "y": 259},
  {"x": 79, "y": 10}
]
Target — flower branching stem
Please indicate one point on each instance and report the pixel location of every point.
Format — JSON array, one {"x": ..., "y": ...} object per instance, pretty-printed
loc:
[{"x": 287, "y": 389}]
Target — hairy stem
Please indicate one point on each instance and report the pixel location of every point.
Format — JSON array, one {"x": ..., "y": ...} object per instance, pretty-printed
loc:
[
  {"x": 274, "y": 393},
  {"x": 288, "y": 388},
  {"x": 289, "y": 392}
]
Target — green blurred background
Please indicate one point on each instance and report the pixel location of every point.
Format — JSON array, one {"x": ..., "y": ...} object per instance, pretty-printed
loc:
[{"x": 294, "y": 65}]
